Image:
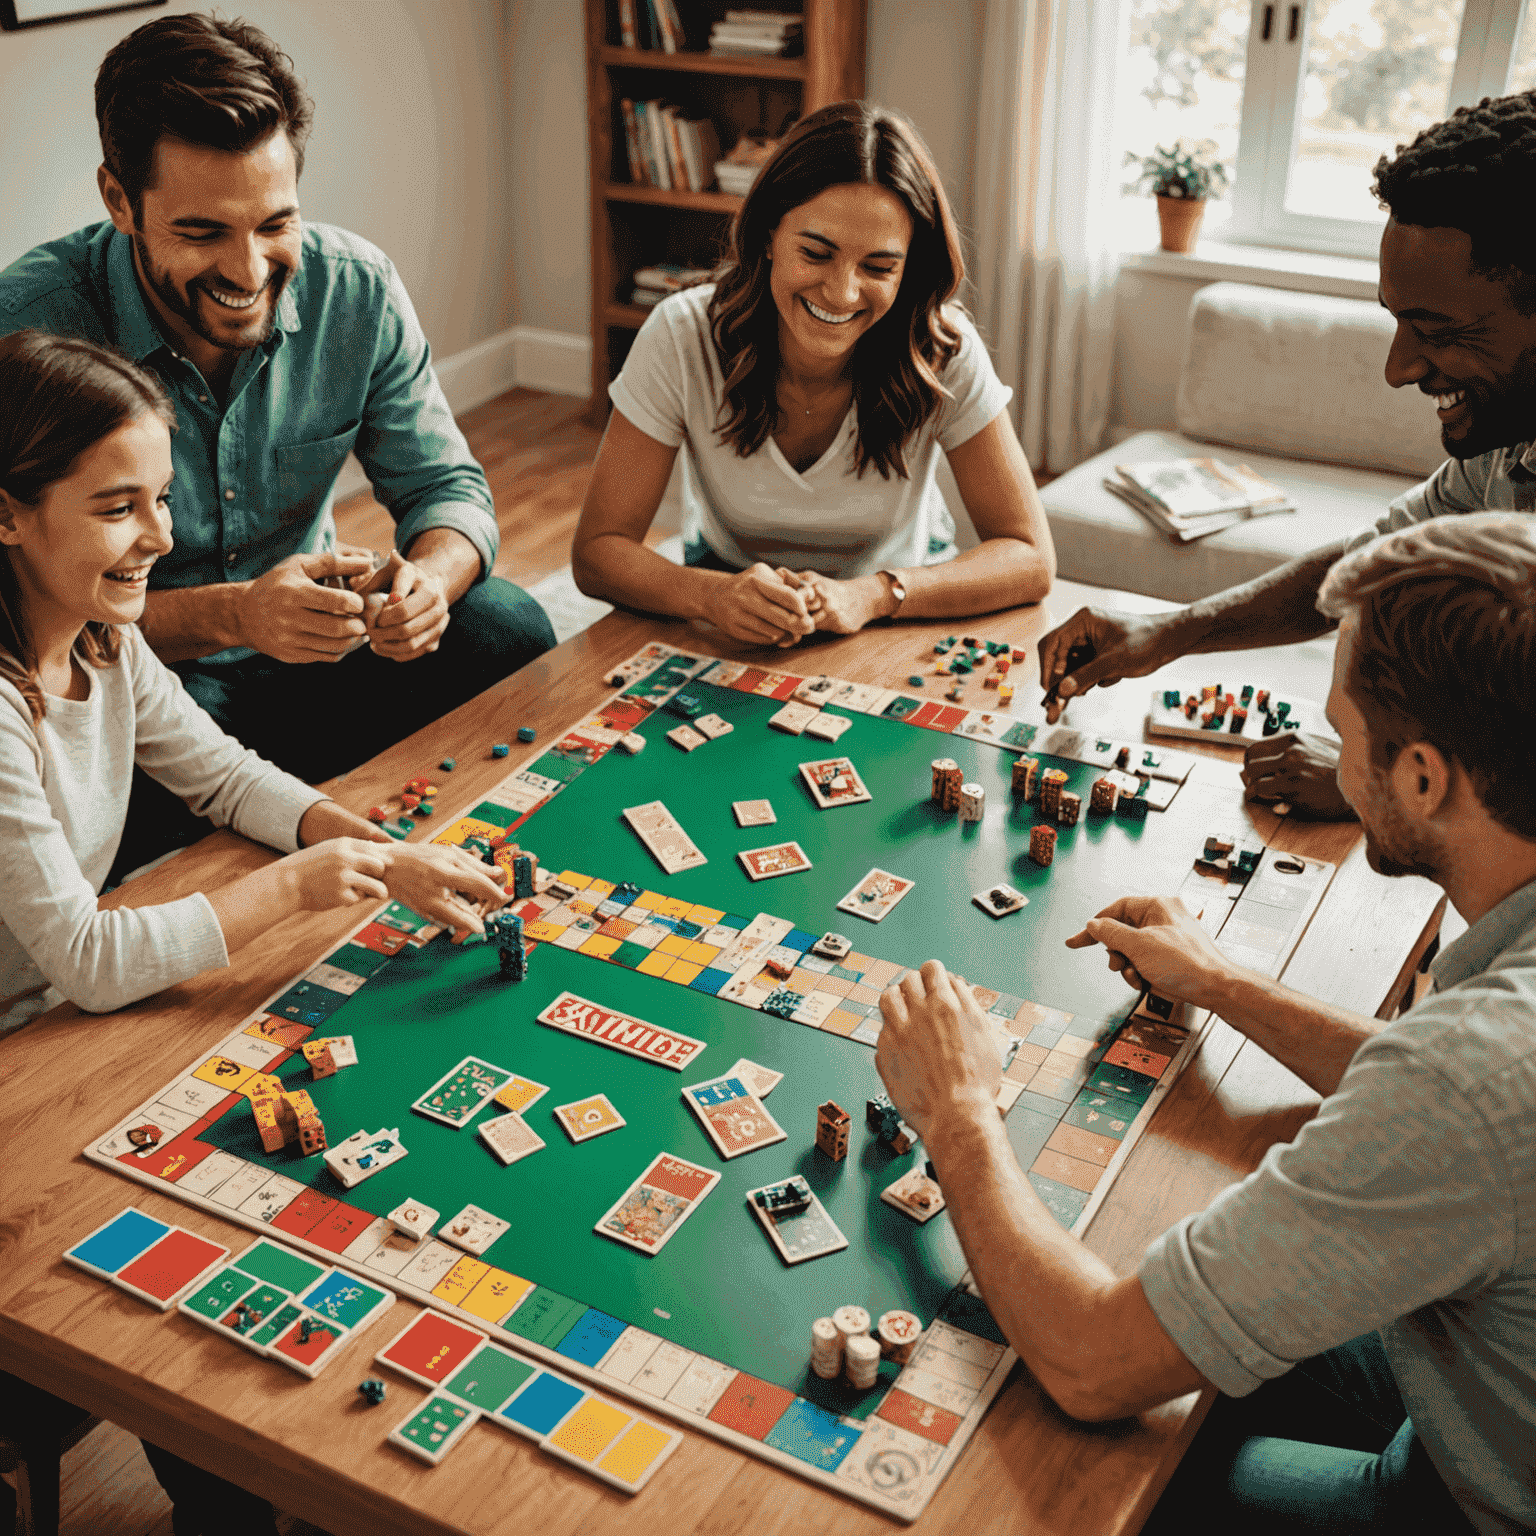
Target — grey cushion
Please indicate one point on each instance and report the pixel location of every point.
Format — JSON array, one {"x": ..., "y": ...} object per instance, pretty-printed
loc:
[
  {"x": 1301, "y": 375},
  {"x": 1102, "y": 541}
]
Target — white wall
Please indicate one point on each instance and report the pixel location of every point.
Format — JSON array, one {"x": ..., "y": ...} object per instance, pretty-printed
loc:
[{"x": 411, "y": 136}]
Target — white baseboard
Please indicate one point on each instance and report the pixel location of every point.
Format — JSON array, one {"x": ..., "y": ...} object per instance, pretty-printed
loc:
[
  {"x": 557, "y": 361},
  {"x": 521, "y": 355}
]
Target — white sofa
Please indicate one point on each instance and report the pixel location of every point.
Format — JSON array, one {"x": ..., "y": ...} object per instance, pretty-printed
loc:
[{"x": 1290, "y": 384}]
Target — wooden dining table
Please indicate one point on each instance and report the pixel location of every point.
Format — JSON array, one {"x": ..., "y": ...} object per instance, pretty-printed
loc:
[{"x": 316, "y": 1450}]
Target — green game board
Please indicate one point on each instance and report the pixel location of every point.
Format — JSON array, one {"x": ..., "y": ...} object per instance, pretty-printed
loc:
[{"x": 719, "y": 1288}]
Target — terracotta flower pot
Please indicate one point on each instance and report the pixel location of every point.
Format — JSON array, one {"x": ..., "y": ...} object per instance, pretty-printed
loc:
[{"x": 1179, "y": 219}]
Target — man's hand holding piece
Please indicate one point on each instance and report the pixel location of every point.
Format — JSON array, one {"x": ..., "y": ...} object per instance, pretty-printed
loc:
[
  {"x": 1155, "y": 941},
  {"x": 937, "y": 1056},
  {"x": 1113, "y": 645},
  {"x": 288, "y": 614},
  {"x": 414, "y": 613},
  {"x": 1302, "y": 770}
]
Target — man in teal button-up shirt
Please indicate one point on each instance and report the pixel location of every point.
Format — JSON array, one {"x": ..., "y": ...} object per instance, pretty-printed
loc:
[{"x": 284, "y": 346}]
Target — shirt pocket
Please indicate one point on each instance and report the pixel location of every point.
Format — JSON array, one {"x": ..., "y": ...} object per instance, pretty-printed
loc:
[{"x": 303, "y": 473}]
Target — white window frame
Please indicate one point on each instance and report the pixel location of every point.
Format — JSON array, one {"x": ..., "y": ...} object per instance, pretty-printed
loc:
[{"x": 1271, "y": 120}]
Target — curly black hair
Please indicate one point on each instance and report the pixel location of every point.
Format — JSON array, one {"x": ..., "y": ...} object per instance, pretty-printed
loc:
[{"x": 1476, "y": 172}]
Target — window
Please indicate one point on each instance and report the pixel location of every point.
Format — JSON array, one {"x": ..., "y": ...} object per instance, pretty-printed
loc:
[{"x": 1302, "y": 98}]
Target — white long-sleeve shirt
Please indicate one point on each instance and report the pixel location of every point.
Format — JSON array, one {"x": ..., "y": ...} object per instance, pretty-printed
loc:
[{"x": 63, "y": 802}]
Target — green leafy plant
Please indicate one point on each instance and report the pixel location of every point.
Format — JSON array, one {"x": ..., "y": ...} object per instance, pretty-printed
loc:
[{"x": 1189, "y": 168}]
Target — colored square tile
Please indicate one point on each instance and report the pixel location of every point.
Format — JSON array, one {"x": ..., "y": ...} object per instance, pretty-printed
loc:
[
  {"x": 635, "y": 1452},
  {"x": 617, "y": 928},
  {"x": 119, "y": 1242},
  {"x": 343, "y": 1298},
  {"x": 912, "y": 1413},
  {"x": 630, "y": 956},
  {"x": 1065, "y": 1204},
  {"x": 541, "y": 1405},
  {"x": 1103, "y": 1116},
  {"x": 338, "y": 1227},
  {"x": 304, "y": 1212},
  {"x": 799, "y": 939},
  {"x": 1121, "y": 1083},
  {"x": 656, "y": 964},
  {"x": 812, "y": 1435},
  {"x": 702, "y": 954},
  {"x": 1071, "y": 1171},
  {"x": 673, "y": 945},
  {"x": 710, "y": 981},
  {"x": 590, "y": 1430},
  {"x": 598, "y": 947},
  {"x": 683, "y": 972},
  {"x": 545, "y": 1317},
  {"x": 750, "y": 1407},
  {"x": 591, "y": 1337},
  {"x": 279, "y": 1266},
  {"x": 841, "y": 1022},
  {"x": 217, "y": 1295},
  {"x": 171, "y": 1265},
  {"x": 465, "y": 1275},
  {"x": 489, "y": 1379},
  {"x": 495, "y": 1294},
  {"x": 1073, "y": 1141}
]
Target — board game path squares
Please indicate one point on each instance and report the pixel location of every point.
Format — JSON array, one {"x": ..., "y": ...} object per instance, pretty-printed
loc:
[{"x": 636, "y": 975}]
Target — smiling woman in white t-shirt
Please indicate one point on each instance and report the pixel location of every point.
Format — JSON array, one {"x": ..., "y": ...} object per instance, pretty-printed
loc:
[{"x": 812, "y": 388}]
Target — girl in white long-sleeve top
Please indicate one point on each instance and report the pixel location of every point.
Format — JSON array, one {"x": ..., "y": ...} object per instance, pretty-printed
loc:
[{"x": 85, "y": 483}]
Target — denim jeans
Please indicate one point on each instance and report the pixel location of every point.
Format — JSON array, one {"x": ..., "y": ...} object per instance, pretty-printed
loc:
[{"x": 1326, "y": 1447}]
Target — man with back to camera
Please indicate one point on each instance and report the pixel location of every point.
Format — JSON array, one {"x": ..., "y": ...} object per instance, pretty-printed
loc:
[
  {"x": 1386, "y": 1258},
  {"x": 284, "y": 345},
  {"x": 1458, "y": 273}
]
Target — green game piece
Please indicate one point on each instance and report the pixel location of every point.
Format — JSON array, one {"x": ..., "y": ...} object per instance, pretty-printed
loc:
[
  {"x": 448, "y": 764},
  {"x": 373, "y": 1390},
  {"x": 915, "y": 681},
  {"x": 526, "y": 733},
  {"x": 399, "y": 828},
  {"x": 424, "y": 809},
  {"x": 501, "y": 749}
]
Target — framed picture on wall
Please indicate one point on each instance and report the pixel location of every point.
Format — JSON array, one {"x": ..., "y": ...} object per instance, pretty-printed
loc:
[{"x": 16, "y": 14}]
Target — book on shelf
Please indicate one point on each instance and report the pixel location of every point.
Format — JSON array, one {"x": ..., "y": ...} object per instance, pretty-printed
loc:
[
  {"x": 650, "y": 24},
  {"x": 666, "y": 149},
  {"x": 1190, "y": 498},
  {"x": 738, "y": 170},
  {"x": 661, "y": 280},
  {"x": 762, "y": 33}
]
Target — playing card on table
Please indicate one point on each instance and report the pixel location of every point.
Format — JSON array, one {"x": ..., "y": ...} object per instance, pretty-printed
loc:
[
  {"x": 474, "y": 1230},
  {"x": 800, "y": 1235},
  {"x": 775, "y": 859},
  {"x": 999, "y": 900},
  {"x": 458, "y": 1096},
  {"x": 510, "y": 1137},
  {"x": 754, "y": 813},
  {"x": 732, "y": 1116},
  {"x": 834, "y": 781},
  {"x": 686, "y": 737},
  {"x": 875, "y": 895},
  {"x": 518, "y": 1094},
  {"x": 652, "y": 1209},
  {"x": 817, "y": 690},
  {"x": 588, "y": 1117},
  {"x": 855, "y": 696},
  {"x": 827, "y": 726},
  {"x": 759, "y": 1080},
  {"x": 661, "y": 832},
  {"x": 914, "y": 1194},
  {"x": 793, "y": 717},
  {"x": 713, "y": 726}
]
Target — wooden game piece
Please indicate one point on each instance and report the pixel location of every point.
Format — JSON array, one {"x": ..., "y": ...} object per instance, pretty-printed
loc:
[
  {"x": 1042, "y": 844},
  {"x": 413, "y": 1219},
  {"x": 273, "y": 1137},
  {"x": 973, "y": 802},
  {"x": 1069, "y": 807},
  {"x": 686, "y": 737},
  {"x": 832, "y": 1124},
  {"x": 311, "y": 1135},
  {"x": 947, "y": 779},
  {"x": 632, "y": 742},
  {"x": 501, "y": 749},
  {"x": 832, "y": 946},
  {"x": 1052, "y": 782},
  {"x": 1026, "y": 773},
  {"x": 318, "y": 1054},
  {"x": 1102, "y": 797},
  {"x": 526, "y": 733}
]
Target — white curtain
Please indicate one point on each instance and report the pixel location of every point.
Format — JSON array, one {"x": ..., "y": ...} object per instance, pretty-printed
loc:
[{"x": 1047, "y": 183}]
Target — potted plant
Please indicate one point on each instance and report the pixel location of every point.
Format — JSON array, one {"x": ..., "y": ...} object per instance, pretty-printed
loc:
[{"x": 1181, "y": 178}]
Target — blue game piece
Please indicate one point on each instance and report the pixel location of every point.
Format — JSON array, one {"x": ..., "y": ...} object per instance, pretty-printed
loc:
[
  {"x": 501, "y": 749},
  {"x": 373, "y": 1390},
  {"x": 526, "y": 733},
  {"x": 448, "y": 764}
]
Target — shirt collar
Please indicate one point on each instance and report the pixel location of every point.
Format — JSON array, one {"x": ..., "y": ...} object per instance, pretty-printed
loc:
[
  {"x": 1494, "y": 932},
  {"x": 137, "y": 332}
]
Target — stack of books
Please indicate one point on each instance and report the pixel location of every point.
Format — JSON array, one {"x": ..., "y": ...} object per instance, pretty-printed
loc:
[
  {"x": 739, "y": 169},
  {"x": 666, "y": 149},
  {"x": 650, "y": 24},
  {"x": 765, "y": 34},
  {"x": 1189, "y": 498},
  {"x": 653, "y": 284}
]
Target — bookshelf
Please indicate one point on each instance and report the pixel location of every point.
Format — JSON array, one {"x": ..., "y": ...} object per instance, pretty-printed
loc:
[{"x": 632, "y": 225}]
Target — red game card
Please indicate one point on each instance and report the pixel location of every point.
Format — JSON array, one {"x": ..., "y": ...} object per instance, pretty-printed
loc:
[
  {"x": 936, "y": 1424},
  {"x": 430, "y": 1349},
  {"x": 751, "y": 1407},
  {"x": 160, "y": 1274}
]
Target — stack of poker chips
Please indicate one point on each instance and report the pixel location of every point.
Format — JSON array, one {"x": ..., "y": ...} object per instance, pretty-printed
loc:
[
  {"x": 946, "y": 783},
  {"x": 1068, "y": 808},
  {"x": 826, "y": 1348},
  {"x": 1026, "y": 770},
  {"x": 1052, "y": 782},
  {"x": 898, "y": 1333},
  {"x": 862, "y": 1358},
  {"x": 973, "y": 801},
  {"x": 1103, "y": 795},
  {"x": 1042, "y": 844}
]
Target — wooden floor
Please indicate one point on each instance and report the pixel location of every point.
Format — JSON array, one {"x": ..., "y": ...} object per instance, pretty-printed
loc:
[{"x": 537, "y": 450}]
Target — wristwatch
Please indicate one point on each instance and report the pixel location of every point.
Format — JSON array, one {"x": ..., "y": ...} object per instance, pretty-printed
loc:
[{"x": 898, "y": 591}]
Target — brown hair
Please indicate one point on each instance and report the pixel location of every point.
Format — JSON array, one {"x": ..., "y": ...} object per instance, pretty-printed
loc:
[
  {"x": 59, "y": 396},
  {"x": 221, "y": 84},
  {"x": 897, "y": 361},
  {"x": 1444, "y": 649}
]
